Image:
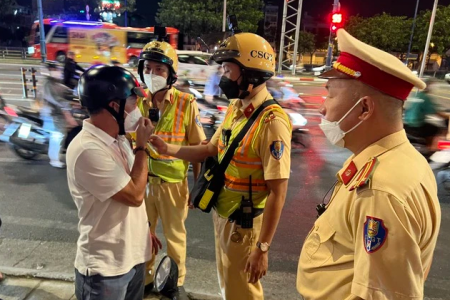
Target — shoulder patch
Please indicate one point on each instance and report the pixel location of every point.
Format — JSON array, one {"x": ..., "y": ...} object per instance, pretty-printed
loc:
[
  {"x": 277, "y": 149},
  {"x": 365, "y": 175},
  {"x": 375, "y": 234},
  {"x": 197, "y": 120}
]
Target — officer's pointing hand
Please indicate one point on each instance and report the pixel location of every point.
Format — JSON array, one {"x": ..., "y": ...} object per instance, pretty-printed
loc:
[
  {"x": 143, "y": 132},
  {"x": 256, "y": 265},
  {"x": 159, "y": 144}
]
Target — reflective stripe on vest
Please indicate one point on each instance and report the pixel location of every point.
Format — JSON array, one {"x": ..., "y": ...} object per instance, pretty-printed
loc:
[
  {"x": 246, "y": 162},
  {"x": 171, "y": 128}
]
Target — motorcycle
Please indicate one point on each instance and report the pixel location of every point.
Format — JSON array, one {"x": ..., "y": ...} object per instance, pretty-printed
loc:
[
  {"x": 300, "y": 134},
  {"x": 25, "y": 131},
  {"x": 212, "y": 112},
  {"x": 419, "y": 142}
]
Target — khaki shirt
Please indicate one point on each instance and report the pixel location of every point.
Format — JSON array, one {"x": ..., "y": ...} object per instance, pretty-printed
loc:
[
  {"x": 194, "y": 133},
  {"x": 375, "y": 241},
  {"x": 276, "y": 129}
]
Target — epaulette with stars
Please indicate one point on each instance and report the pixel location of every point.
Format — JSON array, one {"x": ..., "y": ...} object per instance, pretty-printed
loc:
[{"x": 365, "y": 175}]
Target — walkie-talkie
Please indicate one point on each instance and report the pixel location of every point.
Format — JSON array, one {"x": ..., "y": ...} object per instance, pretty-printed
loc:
[
  {"x": 247, "y": 208},
  {"x": 153, "y": 114}
]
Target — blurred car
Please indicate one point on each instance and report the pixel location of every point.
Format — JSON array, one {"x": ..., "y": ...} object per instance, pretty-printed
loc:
[
  {"x": 195, "y": 65},
  {"x": 447, "y": 77},
  {"x": 298, "y": 68}
]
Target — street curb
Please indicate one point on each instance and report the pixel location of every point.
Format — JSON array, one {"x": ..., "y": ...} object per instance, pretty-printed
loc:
[
  {"x": 307, "y": 79},
  {"x": 23, "y": 272},
  {"x": 49, "y": 275}
]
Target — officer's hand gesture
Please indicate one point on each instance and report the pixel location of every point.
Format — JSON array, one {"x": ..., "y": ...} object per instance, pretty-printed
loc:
[
  {"x": 256, "y": 265},
  {"x": 159, "y": 144},
  {"x": 143, "y": 132}
]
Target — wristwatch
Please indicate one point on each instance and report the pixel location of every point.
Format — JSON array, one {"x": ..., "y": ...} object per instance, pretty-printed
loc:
[
  {"x": 264, "y": 247},
  {"x": 141, "y": 149}
]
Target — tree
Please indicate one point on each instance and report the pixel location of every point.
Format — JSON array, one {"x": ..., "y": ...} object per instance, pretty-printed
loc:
[
  {"x": 197, "y": 17},
  {"x": 441, "y": 30},
  {"x": 306, "y": 42},
  {"x": 386, "y": 32},
  {"x": 6, "y": 6}
]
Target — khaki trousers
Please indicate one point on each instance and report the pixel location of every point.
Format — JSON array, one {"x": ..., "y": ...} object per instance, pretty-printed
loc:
[
  {"x": 231, "y": 258},
  {"x": 168, "y": 201}
]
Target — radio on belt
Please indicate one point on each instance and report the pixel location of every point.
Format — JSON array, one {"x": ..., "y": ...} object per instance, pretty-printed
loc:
[{"x": 247, "y": 208}]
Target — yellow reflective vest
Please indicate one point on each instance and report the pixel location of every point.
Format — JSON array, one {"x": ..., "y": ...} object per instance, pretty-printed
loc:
[
  {"x": 171, "y": 127},
  {"x": 245, "y": 162}
]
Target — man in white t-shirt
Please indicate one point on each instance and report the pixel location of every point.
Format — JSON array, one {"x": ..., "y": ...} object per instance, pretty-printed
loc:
[{"x": 107, "y": 181}]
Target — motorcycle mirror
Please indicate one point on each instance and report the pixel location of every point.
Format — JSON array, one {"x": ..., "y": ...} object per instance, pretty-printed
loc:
[{"x": 166, "y": 278}]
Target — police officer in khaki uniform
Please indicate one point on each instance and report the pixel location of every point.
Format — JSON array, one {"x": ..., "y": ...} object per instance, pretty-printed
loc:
[
  {"x": 376, "y": 236},
  {"x": 262, "y": 161},
  {"x": 176, "y": 119}
]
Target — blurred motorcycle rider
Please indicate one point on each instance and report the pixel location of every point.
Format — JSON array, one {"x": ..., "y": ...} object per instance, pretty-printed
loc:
[
  {"x": 176, "y": 119},
  {"x": 70, "y": 68},
  {"x": 418, "y": 110},
  {"x": 54, "y": 112},
  {"x": 212, "y": 89}
]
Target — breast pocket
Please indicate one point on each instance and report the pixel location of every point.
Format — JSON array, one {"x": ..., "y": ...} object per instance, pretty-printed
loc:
[{"x": 319, "y": 245}]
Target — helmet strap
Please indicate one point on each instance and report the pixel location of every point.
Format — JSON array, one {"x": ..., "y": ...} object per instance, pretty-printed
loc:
[{"x": 118, "y": 115}]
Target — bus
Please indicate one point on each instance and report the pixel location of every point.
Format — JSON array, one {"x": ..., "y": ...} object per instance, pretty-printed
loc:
[{"x": 94, "y": 42}]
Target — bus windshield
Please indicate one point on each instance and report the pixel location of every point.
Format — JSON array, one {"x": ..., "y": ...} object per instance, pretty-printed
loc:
[
  {"x": 139, "y": 39},
  {"x": 37, "y": 35}
]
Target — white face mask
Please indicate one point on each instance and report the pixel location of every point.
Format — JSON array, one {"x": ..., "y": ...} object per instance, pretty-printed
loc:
[
  {"x": 132, "y": 120},
  {"x": 333, "y": 132},
  {"x": 154, "y": 82}
]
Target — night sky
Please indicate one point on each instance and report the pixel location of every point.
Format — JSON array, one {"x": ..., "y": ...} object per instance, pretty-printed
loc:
[{"x": 366, "y": 8}]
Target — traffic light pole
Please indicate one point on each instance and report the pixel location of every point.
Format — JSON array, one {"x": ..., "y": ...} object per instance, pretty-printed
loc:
[
  {"x": 42, "y": 32},
  {"x": 330, "y": 44}
]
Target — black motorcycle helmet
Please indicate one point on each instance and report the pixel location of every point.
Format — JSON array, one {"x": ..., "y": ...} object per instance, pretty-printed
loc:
[{"x": 101, "y": 84}]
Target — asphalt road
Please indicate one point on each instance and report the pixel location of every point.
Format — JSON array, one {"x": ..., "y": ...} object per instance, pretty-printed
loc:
[{"x": 40, "y": 218}]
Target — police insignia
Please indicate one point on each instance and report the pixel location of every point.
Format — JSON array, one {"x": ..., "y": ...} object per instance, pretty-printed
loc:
[
  {"x": 375, "y": 234},
  {"x": 277, "y": 149},
  {"x": 197, "y": 120}
]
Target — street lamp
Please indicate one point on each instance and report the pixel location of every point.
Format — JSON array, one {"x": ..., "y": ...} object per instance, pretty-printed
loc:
[
  {"x": 42, "y": 32},
  {"x": 412, "y": 33},
  {"x": 224, "y": 21},
  {"x": 427, "y": 44}
]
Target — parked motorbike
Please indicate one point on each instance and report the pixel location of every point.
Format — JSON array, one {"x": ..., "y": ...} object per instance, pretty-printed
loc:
[{"x": 25, "y": 132}]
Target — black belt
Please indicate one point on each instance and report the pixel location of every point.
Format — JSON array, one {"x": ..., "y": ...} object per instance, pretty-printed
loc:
[{"x": 236, "y": 216}]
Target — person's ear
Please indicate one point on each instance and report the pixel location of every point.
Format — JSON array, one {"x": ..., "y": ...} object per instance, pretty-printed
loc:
[{"x": 368, "y": 108}]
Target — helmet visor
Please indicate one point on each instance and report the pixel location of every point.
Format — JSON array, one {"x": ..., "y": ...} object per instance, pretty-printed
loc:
[
  {"x": 155, "y": 56},
  {"x": 224, "y": 54},
  {"x": 139, "y": 91}
]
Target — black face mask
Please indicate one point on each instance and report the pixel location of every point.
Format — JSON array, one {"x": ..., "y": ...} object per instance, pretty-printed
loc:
[{"x": 229, "y": 87}]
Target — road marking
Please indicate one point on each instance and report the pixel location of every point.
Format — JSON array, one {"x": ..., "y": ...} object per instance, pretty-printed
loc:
[{"x": 13, "y": 82}]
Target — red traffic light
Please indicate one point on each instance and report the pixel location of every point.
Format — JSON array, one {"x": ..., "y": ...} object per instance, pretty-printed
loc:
[
  {"x": 336, "y": 18},
  {"x": 336, "y": 21}
]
